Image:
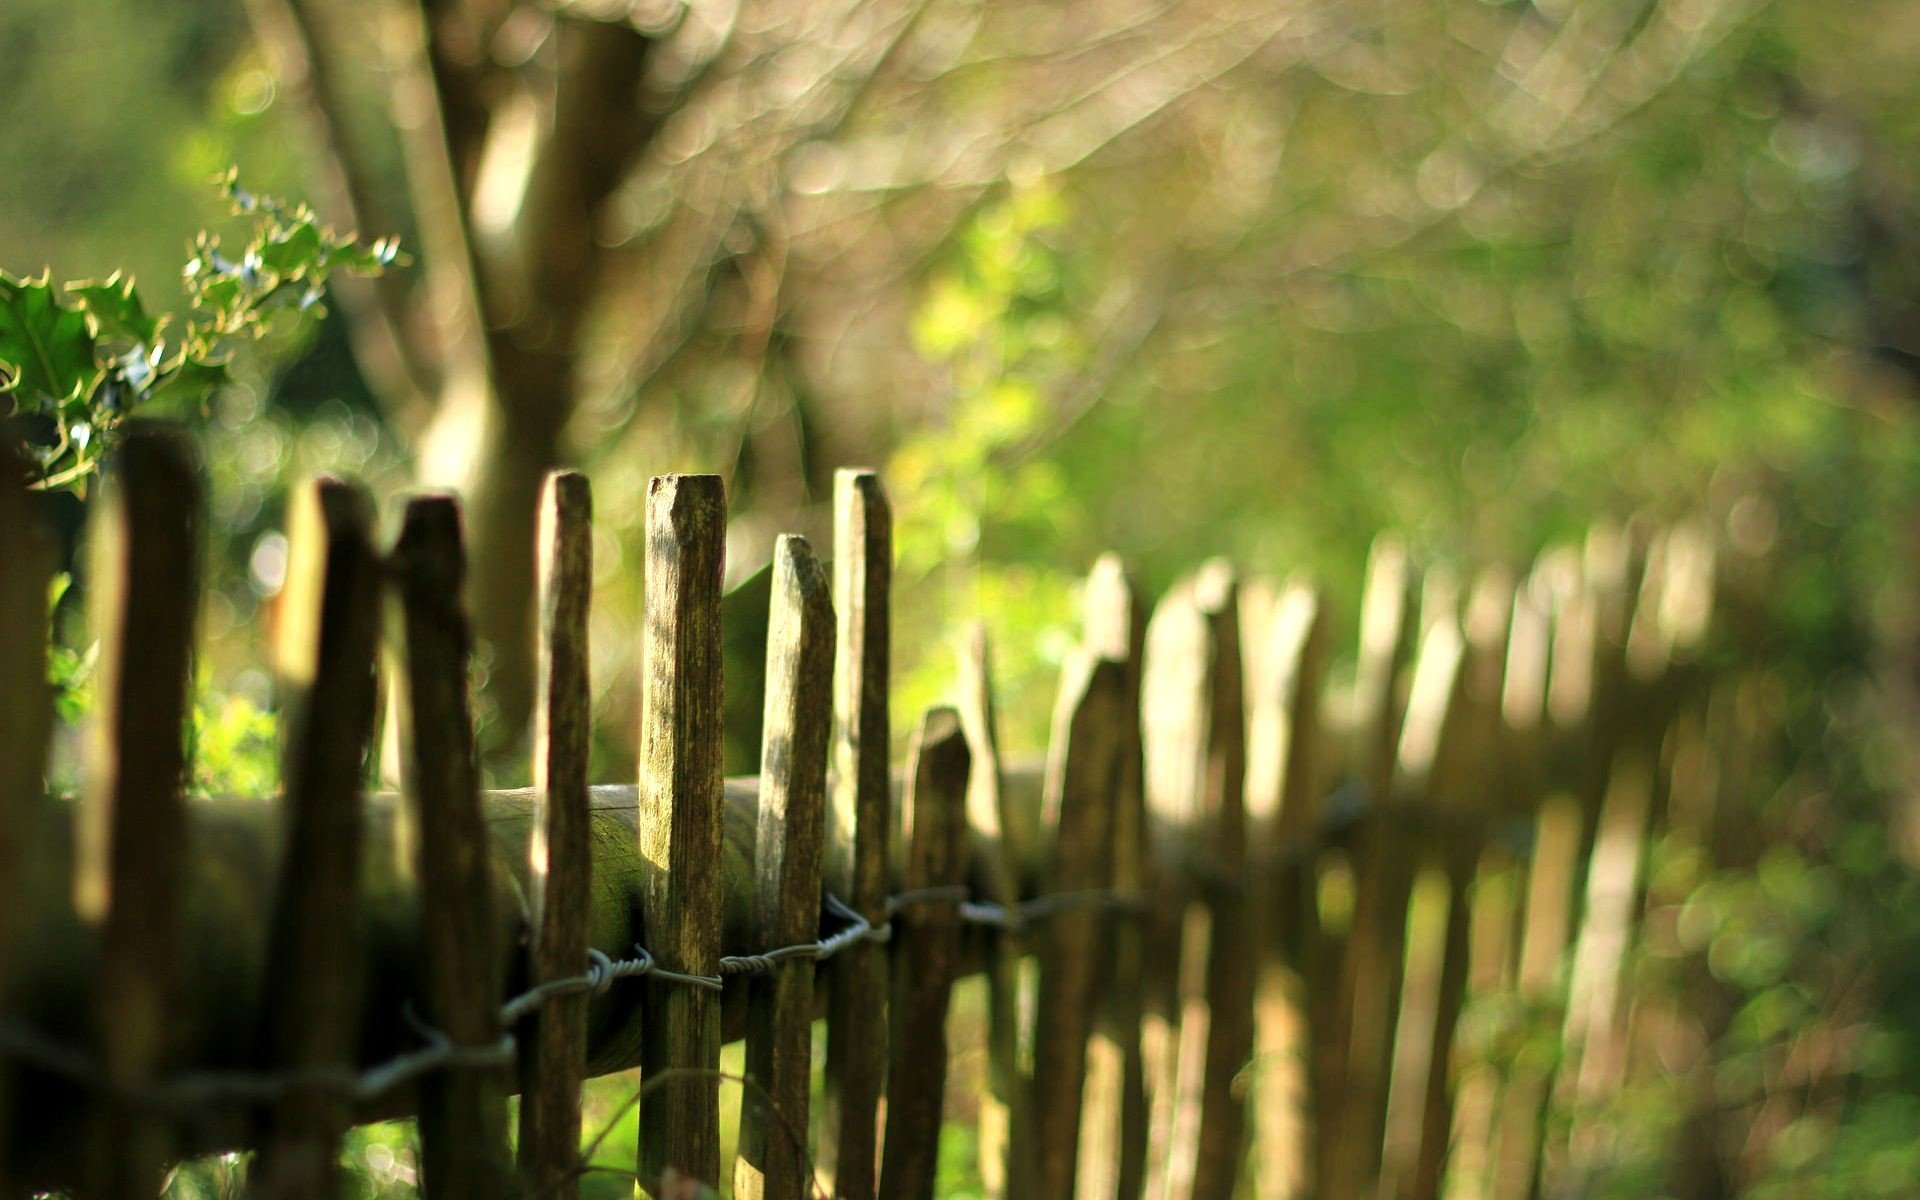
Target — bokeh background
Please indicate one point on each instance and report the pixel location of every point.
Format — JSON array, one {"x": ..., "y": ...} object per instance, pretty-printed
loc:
[{"x": 1171, "y": 277}]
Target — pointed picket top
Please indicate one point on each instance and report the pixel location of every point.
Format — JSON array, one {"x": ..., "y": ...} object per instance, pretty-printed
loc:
[
  {"x": 560, "y": 862},
  {"x": 773, "y": 1162},
  {"x": 682, "y": 814}
]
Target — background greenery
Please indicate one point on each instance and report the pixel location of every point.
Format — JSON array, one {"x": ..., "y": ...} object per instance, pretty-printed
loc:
[{"x": 1258, "y": 280}]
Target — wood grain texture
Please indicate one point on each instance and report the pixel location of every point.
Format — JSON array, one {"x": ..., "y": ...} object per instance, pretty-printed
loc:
[
  {"x": 132, "y": 819},
  {"x": 330, "y": 628},
  {"x": 859, "y": 823},
  {"x": 463, "y": 1119},
  {"x": 560, "y": 866},
  {"x": 681, "y": 818},
  {"x": 927, "y": 956},
  {"x": 774, "y": 1163},
  {"x": 1113, "y": 1139},
  {"x": 1083, "y": 766},
  {"x": 1006, "y": 1167}
]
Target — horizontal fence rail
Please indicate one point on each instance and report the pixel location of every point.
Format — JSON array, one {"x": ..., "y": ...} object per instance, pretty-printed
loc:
[{"x": 1234, "y": 934}]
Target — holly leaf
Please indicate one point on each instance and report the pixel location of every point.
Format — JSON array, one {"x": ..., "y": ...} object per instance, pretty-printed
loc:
[
  {"x": 189, "y": 378},
  {"x": 290, "y": 250},
  {"x": 46, "y": 346},
  {"x": 115, "y": 308}
]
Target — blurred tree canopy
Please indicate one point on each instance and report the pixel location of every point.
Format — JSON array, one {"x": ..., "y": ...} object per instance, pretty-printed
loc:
[
  {"x": 1481, "y": 272},
  {"x": 1171, "y": 277}
]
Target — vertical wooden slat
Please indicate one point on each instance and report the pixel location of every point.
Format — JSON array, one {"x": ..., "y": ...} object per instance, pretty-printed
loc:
[
  {"x": 1196, "y": 743},
  {"x": 463, "y": 1144},
  {"x": 1083, "y": 764},
  {"x": 132, "y": 820},
  {"x": 1005, "y": 1163},
  {"x": 935, "y": 829},
  {"x": 1282, "y": 813},
  {"x": 26, "y": 703},
  {"x": 1492, "y": 910},
  {"x": 793, "y": 782},
  {"x": 858, "y": 834},
  {"x": 1113, "y": 1140},
  {"x": 1230, "y": 968},
  {"x": 328, "y": 630},
  {"x": 1473, "y": 752},
  {"x": 1175, "y": 684},
  {"x": 1432, "y": 745},
  {"x": 1358, "y": 1046},
  {"x": 560, "y": 862},
  {"x": 681, "y": 819}
]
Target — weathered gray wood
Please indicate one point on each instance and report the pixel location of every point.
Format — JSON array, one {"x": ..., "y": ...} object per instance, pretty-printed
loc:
[
  {"x": 858, "y": 831},
  {"x": 1005, "y": 1148},
  {"x": 681, "y": 819},
  {"x": 1113, "y": 1141},
  {"x": 463, "y": 1119},
  {"x": 560, "y": 866},
  {"x": 774, "y": 1163},
  {"x": 928, "y": 956},
  {"x": 132, "y": 818},
  {"x": 26, "y": 702},
  {"x": 329, "y": 630},
  {"x": 1083, "y": 765}
]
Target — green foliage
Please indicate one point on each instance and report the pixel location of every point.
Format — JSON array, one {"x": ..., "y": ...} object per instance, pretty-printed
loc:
[{"x": 77, "y": 361}]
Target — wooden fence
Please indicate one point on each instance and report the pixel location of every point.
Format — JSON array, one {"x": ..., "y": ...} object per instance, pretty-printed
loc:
[{"x": 1229, "y": 928}]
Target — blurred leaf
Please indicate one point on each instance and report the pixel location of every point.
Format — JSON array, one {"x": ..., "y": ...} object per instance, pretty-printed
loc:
[
  {"x": 115, "y": 308},
  {"x": 45, "y": 345}
]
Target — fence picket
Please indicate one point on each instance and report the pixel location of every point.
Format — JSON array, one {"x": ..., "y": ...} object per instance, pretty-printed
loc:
[
  {"x": 858, "y": 831},
  {"x": 1230, "y": 970},
  {"x": 1113, "y": 1140},
  {"x": 935, "y": 829},
  {"x": 130, "y": 872},
  {"x": 1005, "y": 1150},
  {"x": 1359, "y": 1049},
  {"x": 1083, "y": 764},
  {"x": 681, "y": 822},
  {"x": 463, "y": 1120},
  {"x": 329, "y": 631},
  {"x": 1282, "y": 813},
  {"x": 773, "y": 1163},
  {"x": 26, "y": 704},
  {"x": 560, "y": 862}
]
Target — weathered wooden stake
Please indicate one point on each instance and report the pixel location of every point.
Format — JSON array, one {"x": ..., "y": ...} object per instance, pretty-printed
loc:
[
  {"x": 329, "y": 632},
  {"x": 1230, "y": 959},
  {"x": 858, "y": 831},
  {"x": 1283, "y": 803},
  {"x": 463, "y": 1143},
  {"x": 1113, "y": 1141},
  {"x": 132, "y": 821},
  {"x": 681, "y": 818},
  {"x": 560, "y": 867},
  {"x": 1006, "y": 1163},
  {"x": 928, "y": 957},
  {"x": 774, "y": 1163},
  {"x": 26, "y": 703},
  {"x": 1083, "y": 766},
  {"x": 1358, "y": 1048}
]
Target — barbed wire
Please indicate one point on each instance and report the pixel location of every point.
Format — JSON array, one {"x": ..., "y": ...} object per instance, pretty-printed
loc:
[
  {"x": 185, "y": 1091},
  {"x": 202, "y": 1089}
]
